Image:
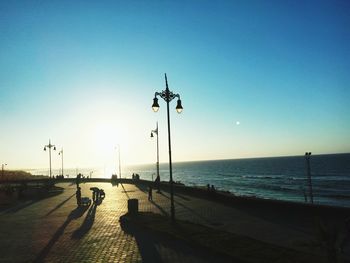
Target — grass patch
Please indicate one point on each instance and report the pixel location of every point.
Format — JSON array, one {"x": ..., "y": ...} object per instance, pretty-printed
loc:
[
  {"x": 240, "y": 248},
  {"x": 10, "y": 175}
]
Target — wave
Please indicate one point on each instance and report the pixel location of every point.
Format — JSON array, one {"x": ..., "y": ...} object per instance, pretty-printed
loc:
[
  {"x": 344, "y": 197},
  {"x": 262, "y": 176},
  {"x": 277, "y": 188}
]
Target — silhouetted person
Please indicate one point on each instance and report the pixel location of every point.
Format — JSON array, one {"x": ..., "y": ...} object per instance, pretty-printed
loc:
[
  {"x": 95, "y": 193},
  {"x": 208, "y": 187},
  {"x": 78, "y": 180},
  {"x": 78, "y": 196},
  {"x": 150, "y": 193},
  {"x": 212, "y": 188}
]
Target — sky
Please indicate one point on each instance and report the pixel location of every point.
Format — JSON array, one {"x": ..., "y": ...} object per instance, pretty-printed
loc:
[{"x": 256, "y": 79}]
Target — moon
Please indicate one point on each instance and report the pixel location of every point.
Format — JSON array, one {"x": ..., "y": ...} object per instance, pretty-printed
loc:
[{"x": 238, "y": 123}]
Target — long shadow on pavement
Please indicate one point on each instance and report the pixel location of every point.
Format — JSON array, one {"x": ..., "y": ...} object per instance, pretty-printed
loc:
[
  {"x": 155, "y": 247},
  {"x": 87, "y": 224},
  {"x": 193, "y": 211},
  {"x": 124, "y": 191},
  {"x": 161, "y": 209},
  {"x": 76, "y": 213},
  {"x": 144, "y": 189},
  {"x": 59, "y": 205},
  {"x": 25, "y": 202},
  {"x": 20, "y": 206},
  {"x": 146, "y": 243}
]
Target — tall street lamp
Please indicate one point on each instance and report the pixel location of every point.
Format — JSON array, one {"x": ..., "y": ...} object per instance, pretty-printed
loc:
[
  {"x": 168, "y": 96},
  {"x": 61, "y": 153},
  {"x": 2, "y": 169},
  {"x": 120, "y": 169},
  {"x": 156, "y": 132},
  {"x": 50, "y": 146}
]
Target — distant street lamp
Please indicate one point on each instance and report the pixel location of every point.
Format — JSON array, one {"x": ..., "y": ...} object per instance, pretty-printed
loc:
[
  {"x": 50, "y": 146},
  {"x": 308, "y": 170},
  {"x": 2, "y": 169},
  {"x": 156, "y": 132},
  {"x": 120, "y": 169},
  {"x": 61, "y": 153},
  {"x": 168, "y": 96}
]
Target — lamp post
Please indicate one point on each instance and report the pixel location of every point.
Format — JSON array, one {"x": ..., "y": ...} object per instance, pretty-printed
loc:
[
  {"x": 61, "y": 153},
  {"x": 2, "y": 170},
  {"x": 308, "y": 170},
  {"x": 120, "y": 169},
  {"x": 156, "y": 132},
  {"x": 50, "y": 146},
  {"x": 168, "y": 96}
]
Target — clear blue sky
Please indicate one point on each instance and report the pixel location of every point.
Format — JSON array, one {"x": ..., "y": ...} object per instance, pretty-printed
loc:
[{"x": 84, "y": 73}]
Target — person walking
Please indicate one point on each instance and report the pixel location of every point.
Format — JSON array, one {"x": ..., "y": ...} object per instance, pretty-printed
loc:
[
  {"x": 77, "y": 180},
  {"x": 78, "y": 196},
  {"x": 150, "y": 193}
]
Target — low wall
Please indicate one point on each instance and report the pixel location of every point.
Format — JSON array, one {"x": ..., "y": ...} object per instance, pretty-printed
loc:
[{"x": 246, "y": 202}]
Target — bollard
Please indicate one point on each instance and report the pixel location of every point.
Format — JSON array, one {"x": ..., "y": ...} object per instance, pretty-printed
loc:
[{"x": 133, "y": 206}]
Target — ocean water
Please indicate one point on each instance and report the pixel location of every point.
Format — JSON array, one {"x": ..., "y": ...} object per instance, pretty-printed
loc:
[{"x": 282, "y": 178}]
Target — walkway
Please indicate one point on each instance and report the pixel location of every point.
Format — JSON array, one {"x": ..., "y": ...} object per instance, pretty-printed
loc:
[{"x": 54, "y": 230}]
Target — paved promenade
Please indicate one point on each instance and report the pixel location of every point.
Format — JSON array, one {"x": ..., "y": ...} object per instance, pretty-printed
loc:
[{"x": 54, "y": 230}]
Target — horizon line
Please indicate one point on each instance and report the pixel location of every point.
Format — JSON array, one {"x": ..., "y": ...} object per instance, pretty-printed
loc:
[{"x": 201, "y": 160}]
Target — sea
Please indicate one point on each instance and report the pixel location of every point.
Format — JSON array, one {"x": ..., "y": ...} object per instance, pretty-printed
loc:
[{"x": 281, "y": 178}]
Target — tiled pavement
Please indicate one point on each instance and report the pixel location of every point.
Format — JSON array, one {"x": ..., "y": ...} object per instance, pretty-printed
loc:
[{"x": 54, "y": 230}]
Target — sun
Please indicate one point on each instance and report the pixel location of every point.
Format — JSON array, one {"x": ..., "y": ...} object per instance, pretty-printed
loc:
[{"x": 105, "y": 136}]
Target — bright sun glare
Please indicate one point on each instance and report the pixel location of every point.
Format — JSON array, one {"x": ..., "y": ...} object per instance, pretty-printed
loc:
[{"x": 106, "y": 136}]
